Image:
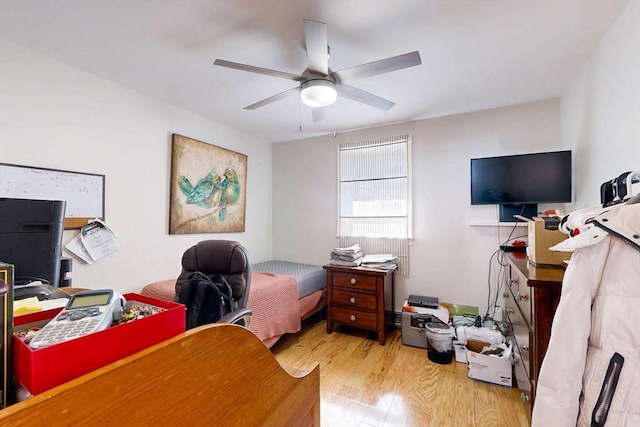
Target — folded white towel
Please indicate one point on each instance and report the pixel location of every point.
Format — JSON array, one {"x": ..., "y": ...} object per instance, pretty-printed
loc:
[
  {"x": 346, "y": 257},
  {"x": 346, "y": 263},
  {"x": 350, "y": 250}
]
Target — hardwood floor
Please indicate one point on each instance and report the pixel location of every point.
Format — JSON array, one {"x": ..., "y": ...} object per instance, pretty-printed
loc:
[{"x": 365, "y": 384}]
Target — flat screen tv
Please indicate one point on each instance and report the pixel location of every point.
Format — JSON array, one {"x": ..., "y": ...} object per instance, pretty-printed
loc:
[
  {"x": 518, "y": 183},
  {"x": 31, "y": 238}
]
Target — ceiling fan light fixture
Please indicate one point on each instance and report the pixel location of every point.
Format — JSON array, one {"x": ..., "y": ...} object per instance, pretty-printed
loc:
[{"x": 318, "y": 93}]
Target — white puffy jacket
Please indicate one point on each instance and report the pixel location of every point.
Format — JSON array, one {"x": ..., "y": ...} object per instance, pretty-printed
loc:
[{"x": 595, "y": 336}]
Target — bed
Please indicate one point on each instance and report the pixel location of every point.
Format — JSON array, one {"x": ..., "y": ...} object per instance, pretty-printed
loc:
[
  {"x": 199, "y": 377},
  {"x": 282, "y": 295}
]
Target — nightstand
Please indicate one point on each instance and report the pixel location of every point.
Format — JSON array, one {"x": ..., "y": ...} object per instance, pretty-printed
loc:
[{"x": 356, "y": 297}]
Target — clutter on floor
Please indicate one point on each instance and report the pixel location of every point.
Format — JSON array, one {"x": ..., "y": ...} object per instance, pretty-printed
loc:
[{"x": 456, "y": 332}]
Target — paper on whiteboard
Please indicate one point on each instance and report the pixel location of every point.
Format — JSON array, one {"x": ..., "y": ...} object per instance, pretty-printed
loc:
[{"x": 98, "y": 239}]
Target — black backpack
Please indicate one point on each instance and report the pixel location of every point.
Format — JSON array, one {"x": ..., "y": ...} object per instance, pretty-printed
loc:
[{"x": 206, "y": 298}]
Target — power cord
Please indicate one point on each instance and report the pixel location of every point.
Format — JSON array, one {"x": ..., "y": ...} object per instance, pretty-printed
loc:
[{"x": 502, "y": 262}]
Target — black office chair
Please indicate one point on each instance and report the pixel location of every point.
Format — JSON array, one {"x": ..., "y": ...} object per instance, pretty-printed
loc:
[{"x": 229, "y": 259}]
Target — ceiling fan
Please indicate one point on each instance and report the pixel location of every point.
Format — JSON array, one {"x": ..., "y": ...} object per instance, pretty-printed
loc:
[{"x": 318, "y": 85}]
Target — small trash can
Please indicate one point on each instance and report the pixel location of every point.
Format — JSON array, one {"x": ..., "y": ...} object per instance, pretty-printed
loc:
[{"x": 440, "y": 338}]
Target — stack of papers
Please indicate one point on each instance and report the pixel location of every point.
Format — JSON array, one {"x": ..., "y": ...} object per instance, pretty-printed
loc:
[
  {"x": 380, "y": 261},
  {"x": 95, "y": 241},
  {"x": 26, "y": 306},
  {"x": 33, "y": 305}
]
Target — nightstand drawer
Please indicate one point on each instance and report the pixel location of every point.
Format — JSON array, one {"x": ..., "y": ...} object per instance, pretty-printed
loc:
[
  {"x": 361, "y": 319},
  {"x": 354, "y": 281},
  {"x": 354, "y": 299}
]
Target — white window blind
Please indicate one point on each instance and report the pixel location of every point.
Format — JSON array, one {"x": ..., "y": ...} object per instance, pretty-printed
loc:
[{"x": 374, "y": 188}]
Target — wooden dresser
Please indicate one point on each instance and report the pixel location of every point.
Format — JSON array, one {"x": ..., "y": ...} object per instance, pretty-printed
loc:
[
  {"x": 531, "y": 300},
  {"x": 356, "y": 297}
]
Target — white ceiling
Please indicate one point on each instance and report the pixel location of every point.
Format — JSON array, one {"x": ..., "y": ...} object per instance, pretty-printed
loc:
[{"x": 475, "y": 54}]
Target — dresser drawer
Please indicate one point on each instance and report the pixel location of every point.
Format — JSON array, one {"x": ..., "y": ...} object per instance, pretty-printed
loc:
[
  {"x": 354, "y": 299},
  {"x": 522, "y": 379},
  {"x": 533, "y": 295},
  {"x": 361, "y": 319},
  {"x": 520, "y": 332},
  {"x": 524, "y": 298},
  {"x": 354, "y": 281},
  {"x": 522, "y": 295}
]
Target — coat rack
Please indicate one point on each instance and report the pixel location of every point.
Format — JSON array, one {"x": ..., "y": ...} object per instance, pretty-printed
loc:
[{"x": 618, "y": 190}]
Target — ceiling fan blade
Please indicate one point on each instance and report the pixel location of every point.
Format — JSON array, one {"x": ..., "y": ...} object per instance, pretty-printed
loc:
[
  {"x": 274, "y": 98},
  {"x": 315, "y": 37},
  {"x": 378, "y": 67},
  {"x": 252, "y": 69},
  {"x": 358, "y": 95},
  {"x": 317, "y": 114}
]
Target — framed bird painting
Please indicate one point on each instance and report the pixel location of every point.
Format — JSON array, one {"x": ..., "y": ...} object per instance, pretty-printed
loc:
[{"x": 208, "y": 188}]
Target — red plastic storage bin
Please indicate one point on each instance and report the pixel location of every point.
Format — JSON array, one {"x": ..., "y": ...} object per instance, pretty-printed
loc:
[{"x": 42, "y": 369}]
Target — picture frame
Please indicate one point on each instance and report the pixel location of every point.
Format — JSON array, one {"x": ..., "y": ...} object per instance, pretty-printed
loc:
[{"x": 208, "y": 188}]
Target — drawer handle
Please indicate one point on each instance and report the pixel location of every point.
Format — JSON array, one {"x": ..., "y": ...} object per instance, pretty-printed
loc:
[
  {"x": 525, "y": 347},
  {"x": 510, "y": 310},
  {"x": 352, "y": 280},
  {"x": 353, "y": 317},
  {"x": 522, "y": 297},
  {"x": 524, "y": 397},
  {"x": 352, "y": 300},
  {"x": 505, "y": 295}
]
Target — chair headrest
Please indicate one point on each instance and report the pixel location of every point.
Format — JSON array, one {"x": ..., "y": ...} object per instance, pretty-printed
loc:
[
  {"x": 226, "y": 257},
  {"x": 216, "y": 257}
]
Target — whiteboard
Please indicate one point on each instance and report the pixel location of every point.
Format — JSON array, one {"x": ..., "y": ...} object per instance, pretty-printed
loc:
[{"x": 83, "y": 192}]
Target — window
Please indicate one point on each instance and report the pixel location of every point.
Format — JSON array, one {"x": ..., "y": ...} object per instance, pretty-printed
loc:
[{"x": 374, "y": 190}]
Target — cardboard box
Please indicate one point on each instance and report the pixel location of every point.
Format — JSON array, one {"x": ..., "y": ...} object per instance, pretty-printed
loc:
[
  {"x": 543, "y": 233},
  {"x": 6, "y": 332},
  {"x": 45, "y": 368},
  {"x": 496, "y": 370}
]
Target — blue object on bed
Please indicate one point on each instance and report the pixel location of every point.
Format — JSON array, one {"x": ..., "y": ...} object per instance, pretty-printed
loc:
[{"x": 311, "y": 278}]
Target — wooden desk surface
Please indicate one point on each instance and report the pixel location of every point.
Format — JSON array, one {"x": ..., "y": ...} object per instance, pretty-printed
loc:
[{"x": 218, "y": 374}]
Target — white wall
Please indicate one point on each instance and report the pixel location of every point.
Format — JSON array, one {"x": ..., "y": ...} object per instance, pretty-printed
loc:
[
  {"x": 55, "y": 116},
  {"x": 600, "y": 111},
  {"x": 449, "y": 259}
]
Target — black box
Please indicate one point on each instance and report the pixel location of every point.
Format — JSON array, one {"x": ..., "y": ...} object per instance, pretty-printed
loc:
[
  {"x": 420, "y": 301},
  {"x": 6, "y": 334}
]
